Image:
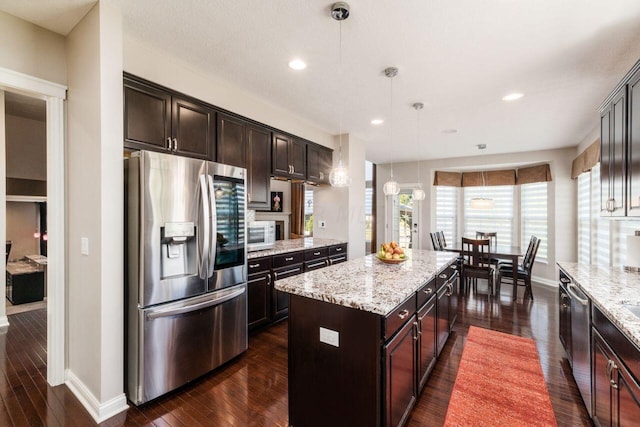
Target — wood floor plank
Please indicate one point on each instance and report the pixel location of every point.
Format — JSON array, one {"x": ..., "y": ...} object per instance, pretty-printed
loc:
[{"x": 252, "y": 390}]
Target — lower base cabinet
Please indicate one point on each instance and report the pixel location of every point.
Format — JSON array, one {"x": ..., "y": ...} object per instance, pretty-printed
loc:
[
  {"x": 400, "y": 362},
  {"x": 427, "y": 340},
  {"x": 258, "y": 290}
]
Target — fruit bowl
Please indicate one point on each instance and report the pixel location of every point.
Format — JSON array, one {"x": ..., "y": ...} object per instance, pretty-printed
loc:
[{"x": 392, "y": 261}]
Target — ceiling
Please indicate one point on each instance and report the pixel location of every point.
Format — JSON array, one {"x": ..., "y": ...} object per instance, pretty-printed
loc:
[{"x": 457, "y": 57}]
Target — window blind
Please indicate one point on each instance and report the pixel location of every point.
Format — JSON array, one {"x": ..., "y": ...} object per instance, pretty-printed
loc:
[
  {"x": 498, "y": 219},
  {"x": 601, "y": 236},
  {"x": 584, "y": 218},
  {"x": 533, "y": 210},
  {"x": 446, "y": 212}
]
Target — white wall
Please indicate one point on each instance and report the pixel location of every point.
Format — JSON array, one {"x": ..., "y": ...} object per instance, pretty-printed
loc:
[
  {"x": 95, "y": 207},
  {"x": 26, "y": 148},
  {"x": 32, "y": 50},
  {"x": 561, "y": 211},
  {"x": 23, "y": 220}
]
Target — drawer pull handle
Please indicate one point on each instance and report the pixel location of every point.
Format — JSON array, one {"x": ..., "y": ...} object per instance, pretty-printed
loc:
[
  {"x": 428, "y": 291},
  {"x": 403, "y": 314},
  {"x": 454, "y": 267},
  {"x": 317, "y": 264},
  {"x": 289, "y": 259},
  {"x": 282, "y": 273},
  {"x": 564, "y": 280},
  {"x": 254, "y": 265},
  {"x": 316, "y": 253},
  {"x": 443, "y": 276},
  {"x": 338, "y": 249}
]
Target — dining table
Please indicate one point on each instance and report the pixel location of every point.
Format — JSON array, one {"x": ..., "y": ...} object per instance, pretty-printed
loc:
[{"x": 499, "y": 251}]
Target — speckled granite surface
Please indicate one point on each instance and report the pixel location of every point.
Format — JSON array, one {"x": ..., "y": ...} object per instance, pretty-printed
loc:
[
  {"x": 609, "y": 289},
  {"x": 366, "y": 283},
  {"x": 292, "y": 245},
  {"x": 23, "y": 267}
]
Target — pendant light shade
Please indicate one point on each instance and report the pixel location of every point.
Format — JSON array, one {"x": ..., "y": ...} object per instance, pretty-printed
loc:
[
  {"x": 481, "y": 202},
  {"x": 418, "y": 194},
  {"x": 339, "y": 175},
  {"x": 391, "y": 188}
]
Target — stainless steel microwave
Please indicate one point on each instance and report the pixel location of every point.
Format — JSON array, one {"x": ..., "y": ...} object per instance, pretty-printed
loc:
[{"x": 261, "y": 235}]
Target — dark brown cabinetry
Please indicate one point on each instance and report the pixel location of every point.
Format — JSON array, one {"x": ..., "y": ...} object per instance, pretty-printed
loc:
[
  {"x": 615, "y": 368},
  {"x": 259, "y": 292},
  {"x": 337, "y": 254},
  {"x": 315, "y": 259},
  {"x": 159, "y": 120},
  {"x": 426, "y": 332},
  {"x": 633, "y": 141},
  {"x": 285, "y": 265},
  {"x": 446, "y": 306},
  {"x": 319, "y": 162},
  {"x": 289, "y": 157},
  {"x": 248, "y": 146}
]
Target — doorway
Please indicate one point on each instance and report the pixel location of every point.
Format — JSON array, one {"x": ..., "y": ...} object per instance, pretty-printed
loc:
[
  {"x": 53, "y": 95},
  {"x": 403, "y": 218}
]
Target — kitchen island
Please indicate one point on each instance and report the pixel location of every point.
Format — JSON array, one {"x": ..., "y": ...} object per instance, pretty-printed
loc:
[{"x": 364, "y": 335}]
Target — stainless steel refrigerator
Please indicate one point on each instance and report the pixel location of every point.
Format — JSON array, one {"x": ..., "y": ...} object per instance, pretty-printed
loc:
[{"x": 186, "y": 270}]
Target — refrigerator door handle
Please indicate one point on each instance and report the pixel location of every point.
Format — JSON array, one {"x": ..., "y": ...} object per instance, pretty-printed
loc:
[
  {"x": 224, "y": 297},
  {"x": 214, "y": 227},
  {"x": 205, "y": 222}
]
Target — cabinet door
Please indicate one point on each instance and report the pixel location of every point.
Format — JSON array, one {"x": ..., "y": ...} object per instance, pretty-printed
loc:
[
  {"x": 193, "y": 129},
  {"x": 600, "y": 384},
  {"x": 427, "y": 341},
  {"x": 325, "y": 164},
  {"x": 453, "y": 300},
  {"x": 628, "y": 402},
  {"x": 231, "y": 147},
  {"x": 258, "y": 299},
  {"x": 147, "y": 117},
  {"x": 258, "y": 167},
  {"x": 313, "y": 164},
  {"x": 618, "y": 155},
  {"x": 605, "y": 161},
  {"x": 280, "y": 156},
  {"x": 633, "y": 151},
  {"x": 564, "y": 307},
  {"x": 400, "y": 376},
  {"x": 298, "y": 159},
  {"x": 442, "y": 324}
]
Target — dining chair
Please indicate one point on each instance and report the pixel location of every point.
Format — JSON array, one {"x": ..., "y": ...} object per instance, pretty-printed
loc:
[
  {"x": 524, "y": 271},
  {"x": 435, "y": 241},
  {"x": 493, "y": 243},
  {"x": 443, "y": 241},
  {"x": 474, "y": 263}
]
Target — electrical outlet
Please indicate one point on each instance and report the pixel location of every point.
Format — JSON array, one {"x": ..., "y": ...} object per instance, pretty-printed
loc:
[
  {"x": 322, "y": 224},
  {"x": 330, "y": 337},
  {"x": 84, "y": 245}
]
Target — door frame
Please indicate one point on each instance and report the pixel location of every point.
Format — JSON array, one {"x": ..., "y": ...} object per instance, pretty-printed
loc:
[
  {"x": 388, "y": 215},
  {"x": 54, "y": 95}
]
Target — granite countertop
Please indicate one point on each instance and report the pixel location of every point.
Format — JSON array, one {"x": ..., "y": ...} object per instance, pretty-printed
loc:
[
  {"x": 293, "y": 245},
  {"x": 23, "y": 267},
  {"x": 368, "y": 284},
  {"x": 609, "y": 289}
]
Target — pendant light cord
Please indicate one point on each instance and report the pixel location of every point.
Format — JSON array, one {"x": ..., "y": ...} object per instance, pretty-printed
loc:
[
  {"x": 341, "y": 99},
  {"x": 391, "y": 120}
]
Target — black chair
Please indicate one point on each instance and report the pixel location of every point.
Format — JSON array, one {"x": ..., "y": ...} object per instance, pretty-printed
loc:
[
  {"x": 443, "y": 241},
  {"x": 524, "y": 271},
  {"x": 9, "y": 244},
  {"x": 475, "y": 266},
  {"x": 435, "y": 241}
]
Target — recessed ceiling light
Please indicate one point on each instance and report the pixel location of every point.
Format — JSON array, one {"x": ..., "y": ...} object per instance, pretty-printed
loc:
[
  {"x": 449, "y": 130},
  {"x": 297, "y": 64},
  {"x": 512, "y": 96},
  {"x": 377, "y": 122}
]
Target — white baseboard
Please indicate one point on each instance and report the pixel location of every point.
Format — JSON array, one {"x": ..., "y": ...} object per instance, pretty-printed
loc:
[
  {"x": 543, "y": 281},
  {"x": 4, "y": 323},
  {"x": 99, "y": 411}
]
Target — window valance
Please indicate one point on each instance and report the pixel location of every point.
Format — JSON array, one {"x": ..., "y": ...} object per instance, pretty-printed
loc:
[
  {"x": 586, "y": 160},
  {"x": 530, "y": 174}
]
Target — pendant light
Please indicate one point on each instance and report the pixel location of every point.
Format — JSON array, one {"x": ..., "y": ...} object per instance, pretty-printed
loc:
[
  {"x": 339, "y": 175},
  {"x": 481, "y": 202},
  {"x": 391, "y": 187},
  {"x": 418, "y": 193}
]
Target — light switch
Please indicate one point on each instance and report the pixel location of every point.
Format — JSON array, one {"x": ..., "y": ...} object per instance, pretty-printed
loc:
[
  {"x": 330, "y": 337},
  {"x": 84, "y": 245}
]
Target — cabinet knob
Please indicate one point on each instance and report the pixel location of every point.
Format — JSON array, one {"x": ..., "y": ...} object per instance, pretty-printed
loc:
[
  {"x": 175, "y": 144},
  {"x": 403, "y": 314},
  {"x": 428, "y": 291},
  {"x": 611, "y": 205},
  {"x": 169, "y": 144}
]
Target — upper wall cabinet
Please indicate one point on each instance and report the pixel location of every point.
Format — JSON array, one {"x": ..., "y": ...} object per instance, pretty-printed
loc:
[
  {"x": 620, "y": 148},
  {"x": 159, "y": 120},
  {"x": 319, "y": 162},
  {"x": 289, "y": 157},
  {"x": 243, "y": 144}
]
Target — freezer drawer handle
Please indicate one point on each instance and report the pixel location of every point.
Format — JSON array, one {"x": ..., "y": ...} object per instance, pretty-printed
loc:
[
  {"x": 181, "y": 310},
  {"x": 571, "y": 288},
  {"x": 205, "y": 221}
]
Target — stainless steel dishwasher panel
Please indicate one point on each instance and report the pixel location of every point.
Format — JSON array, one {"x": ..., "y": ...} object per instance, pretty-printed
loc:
[
  {"x": 581, "y": 342},
  {"x": 183, "y": 340}
]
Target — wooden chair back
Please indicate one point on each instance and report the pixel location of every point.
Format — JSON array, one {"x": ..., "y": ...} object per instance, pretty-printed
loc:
[
  {"x": 443, "y": 242},
  {"x": 435, "y": 241},
  {"x": 530, "y": 256},
  {"x": 475, "y": 252},
  {"x": 492, "y": 236}
]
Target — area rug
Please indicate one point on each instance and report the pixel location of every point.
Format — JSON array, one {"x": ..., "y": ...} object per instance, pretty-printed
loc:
[{"x": 499, "y": 383}]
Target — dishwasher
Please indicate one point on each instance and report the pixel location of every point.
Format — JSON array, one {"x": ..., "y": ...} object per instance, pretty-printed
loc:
[{"x": 581, "y": 341}]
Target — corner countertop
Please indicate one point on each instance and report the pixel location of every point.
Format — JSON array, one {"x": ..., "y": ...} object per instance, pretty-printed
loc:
[
  {"x": 610, "y": 289},
  {"x": 367, "y": 283},
  {"x": 293, "y": 245}
]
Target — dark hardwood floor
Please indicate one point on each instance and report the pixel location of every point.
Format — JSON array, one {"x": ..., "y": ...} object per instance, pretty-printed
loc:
[{"x": 252, "y": 390}]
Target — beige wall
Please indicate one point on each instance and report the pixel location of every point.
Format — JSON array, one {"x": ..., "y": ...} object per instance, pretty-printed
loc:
[
  {"x": 32, "y": 50},
  {"x": 561, "y": 211},
  {"x": 95, "y": 203},
  {"x": 26, "y": 148},
  {"x": 23, "y": 220}
]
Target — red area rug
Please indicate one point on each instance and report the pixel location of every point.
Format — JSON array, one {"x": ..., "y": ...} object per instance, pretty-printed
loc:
[{"x": 499, "y": 383}]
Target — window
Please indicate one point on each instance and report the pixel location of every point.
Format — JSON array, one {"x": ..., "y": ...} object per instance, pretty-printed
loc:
[
  {"x": 533, "y": 209},
  {"x": 446, "y": 212},
  {"x": 370, "y": 207},
  {"x": 498, "y": 219},
  {"x": 601, "y": 236},
  {"x": 308, "y": 212},
  {"x": 584, "y": 218}
]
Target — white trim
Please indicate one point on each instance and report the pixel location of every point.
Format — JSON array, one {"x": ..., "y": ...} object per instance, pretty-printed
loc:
[
  {"x": 99, "y": 412},
  {"x": 54, "y": 94},
  {"x": 4, "y": 324},
  {"x": 56, "y": 310},
  {"x": 35, "y": 85},
  {"x": 544, "y": 281},
  {"x": 26, "y": 198}
]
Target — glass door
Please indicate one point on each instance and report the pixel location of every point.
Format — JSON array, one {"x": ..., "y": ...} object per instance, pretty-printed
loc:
[
  {"x": 405, "y": 217},
  {"x": 230, "y": 231}
]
